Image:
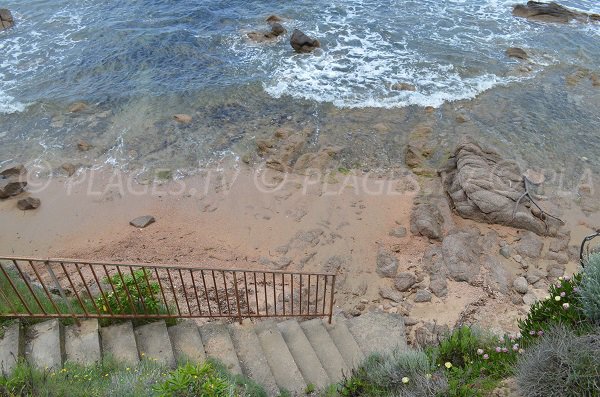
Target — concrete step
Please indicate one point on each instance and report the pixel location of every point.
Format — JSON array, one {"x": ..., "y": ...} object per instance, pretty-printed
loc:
[
  {"x": 12, "y": 346},
  {"x": 118, "y": 342},
  {"x": 345, "y": 342},
  {"x": 186, "y": 341},
  {"x": 82, "y": 343},
  {"x": 323, "y": 345},
  {"x": 252, "y": 358},
  {"x": 378, "y": 332},
  {"x": 305, "y": 357},
  {"x": 154, "y": 344},
  {"x": 45, "y": 345},
  {"x": 218, "y": 345},
  {"x": 284, "y": 368}
]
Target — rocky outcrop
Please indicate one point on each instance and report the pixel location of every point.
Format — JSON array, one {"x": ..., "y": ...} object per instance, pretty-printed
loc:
[
  {"x": 551, "y": 12},
  {"x": 484, "y": 187},
  {"x": 6, "y": 19},
  {"x": 302, "y": 43},
  {"x": 461, "y": 252},
  {"x": 260, "y": 37},
  {"x": 403, "y": 87}
]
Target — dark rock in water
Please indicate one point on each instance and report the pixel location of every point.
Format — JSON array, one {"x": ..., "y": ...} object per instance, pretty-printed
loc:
[
  {"x": 183, "y": 118},
  {"x": 11, "y": 187},
  {"x": 260, "y": 37},
  {"x": 28, "y": 203},
  {"x": 403, "y": 87},
  {"x": 84, "y": 146},
  {"x": 69, "y": 168},
  {"x": 302, "y": 43},
  {"x": 516, "y": 52},
  {"x": 485, "y": 187},
  {"x": 78, "y": 107},
  {"x": 6, "y": 19},
  {"x": 551, "y": 12},
  {"x": 274, "y": 19},
  {"x": 387, "y": 264},
  {"x": 426, "y": 220},
  {"x": 142, "y": 221},
  {"x": 13, "y": 170}
]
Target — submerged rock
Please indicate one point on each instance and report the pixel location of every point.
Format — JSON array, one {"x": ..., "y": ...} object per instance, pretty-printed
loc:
[
  {"x": 403, "y": 87},
  {"x": 485, "y": 187},
  {"x": 551, "y": 12},
  {"x": 183, "y": 118},
  {"x": 78, "y": 107},
  {"x": 302, "y": 43},
  {"x": 516, "y": 52},
  {"x": 6, "y": 19},
  {"x": 69, "y": 168},
  {"x": 142, "y": 221},
  {"x": 84, "y": 146},
  {"x": 13, "y": 170},
  {"x": 29, "y": 203}
]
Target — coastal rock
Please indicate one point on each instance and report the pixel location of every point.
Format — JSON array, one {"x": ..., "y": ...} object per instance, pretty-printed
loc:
[
  {"x": 551, "y": 12},
  {"x": 69, "y": 168},
  {"x": 183, "y": 118},
  {"x": 422, "y": 295},
  {"x": 6, "y": 19},
  {"x": 498, "y": 278},
  {"x": 260, "y": 37},
  {"x": 77, "y": 107},
  {"x": 426, "y": 220},
  {"x": 534, "y": 275},
  {"x": 13, "y": 170},
  {"x": 516, "y": 52},
  {"x": 484, "y": 187},
  {"x": 404, "y": 281},
  {"x": 398, "y": 232},
  {"x": 560, "y": 257},
  {"x": 302, "y": 43},
  {"x": 530, "y": 245},
  {"x": 28, "y": 203},
  {"x": 142, "y": 221},
  {"x": 271, "y": 19},
  {"x": 520, "y": 285},
  {"x": 529, "y": 298},
  {"x": 438, "y": 285},
  {"x": 461, "y": 255},
  {"x": 84, "y": 146},
  {"x": 389, "y": 293},
  {"x": 555, "y": 270},
  {"x": 318, "y": 161},
  {"x": 403, "y": 87},
  {"x": 11, "y": 187},
  {"x": 387, "y": 264}
]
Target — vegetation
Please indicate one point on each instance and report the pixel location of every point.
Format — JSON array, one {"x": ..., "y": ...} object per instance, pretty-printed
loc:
[
  {"x": 110, "y": 379},
  {"x": 556, "y": 353}
]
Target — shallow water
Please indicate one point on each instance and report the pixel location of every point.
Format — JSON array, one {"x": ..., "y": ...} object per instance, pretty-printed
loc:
[{"x": 137, "y": 63}]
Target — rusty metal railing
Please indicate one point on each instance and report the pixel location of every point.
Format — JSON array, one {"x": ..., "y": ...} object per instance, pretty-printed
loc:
[{"x": 65, "y": 288}]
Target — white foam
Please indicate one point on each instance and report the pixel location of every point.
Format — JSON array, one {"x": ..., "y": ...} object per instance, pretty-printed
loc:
[{"x": 9, "y": 105}]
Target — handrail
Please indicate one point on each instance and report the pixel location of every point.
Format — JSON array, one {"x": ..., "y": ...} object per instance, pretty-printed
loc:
[{"x": 71, "y": 288}]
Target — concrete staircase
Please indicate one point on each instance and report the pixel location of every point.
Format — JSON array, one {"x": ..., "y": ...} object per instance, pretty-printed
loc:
[{"x": 278, "y": 355}]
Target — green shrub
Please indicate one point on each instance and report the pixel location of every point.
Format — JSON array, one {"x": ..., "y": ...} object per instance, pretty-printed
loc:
[
  {"x": 562, "y": 306},
  {"x": 589, "y": 290},
  {"x": 400, "y": 373},
  {"x": 209, "y": 379},
  {"x": 132, "y": 294},
  {"x": 562, "y": 363},
  {"x": 474, "y": 362}
]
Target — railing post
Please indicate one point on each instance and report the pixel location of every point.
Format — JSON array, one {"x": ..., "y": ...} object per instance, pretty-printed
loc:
[
  {"x": 331, "y": 301},
  {"x": 237, "y": 297},
  {"x": 62, "y": 292}
]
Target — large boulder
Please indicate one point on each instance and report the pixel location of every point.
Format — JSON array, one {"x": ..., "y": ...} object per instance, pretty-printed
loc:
[
  {"x": 485, "y": 187},
  {"x": 426, "y": 220},
  {"x": 551, "y": 12},
  {"x": 302, "y": 43},
  {"x": 6, "y": 19},
  {"x": 461, "y": 252}
]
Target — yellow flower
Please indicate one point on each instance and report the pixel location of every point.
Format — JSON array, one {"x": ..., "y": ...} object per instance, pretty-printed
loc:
[
  {"x": 104, "y": 308},
  {"x": 128, "y": 369},
  {"x": 405, "y": 380},
  {"x": 142, "y": 354},
  {"x": 448, "y": 364}
]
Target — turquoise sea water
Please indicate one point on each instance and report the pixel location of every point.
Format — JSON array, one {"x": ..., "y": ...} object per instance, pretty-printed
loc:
[{"x": 136, "y": 63}]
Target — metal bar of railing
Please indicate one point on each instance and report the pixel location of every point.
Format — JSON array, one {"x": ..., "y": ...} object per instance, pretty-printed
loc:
[{"x": 133, "y": 289}]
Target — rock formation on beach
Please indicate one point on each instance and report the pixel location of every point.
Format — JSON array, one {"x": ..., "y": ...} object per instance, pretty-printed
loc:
[
  {"x": 6, "y": 19},
  {"x": 12, "y": 181},
  {"x": 302, "y": 43},
  {"x": 277, "y": 30},
  {"x": 551, "y": 12},
  {"x": 485, "y": 187}
]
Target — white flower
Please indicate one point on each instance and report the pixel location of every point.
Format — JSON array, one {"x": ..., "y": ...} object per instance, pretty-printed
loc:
[{"x": 565, "y": 306}]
